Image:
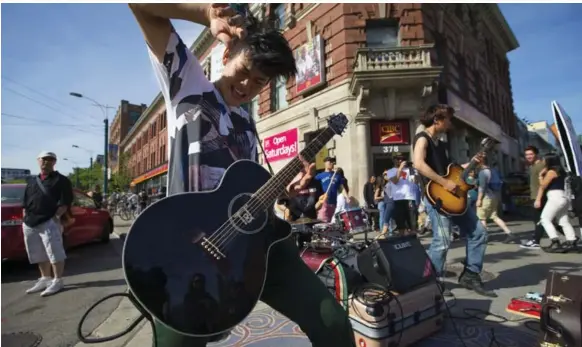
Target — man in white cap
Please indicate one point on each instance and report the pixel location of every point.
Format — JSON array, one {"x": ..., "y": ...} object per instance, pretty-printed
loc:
[{"x": 46, "y": 198}]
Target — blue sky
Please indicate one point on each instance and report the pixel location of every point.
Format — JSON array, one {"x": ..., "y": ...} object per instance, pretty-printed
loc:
[{"x": 49, "y": 50}]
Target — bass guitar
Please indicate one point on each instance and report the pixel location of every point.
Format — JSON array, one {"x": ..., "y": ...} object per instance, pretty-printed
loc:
[
  {"x": 197, "y": 261},
  {"x": 455, "y": 203}
]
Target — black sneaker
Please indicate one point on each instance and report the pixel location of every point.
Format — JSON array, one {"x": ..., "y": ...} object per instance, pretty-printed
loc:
[
  {"x": 554, "y": 247},
  {"x": 510, "y": 238},
  {"x": 531, "y": 244},
  {"x": 472, "y": 281},
  {"x": 568, "y": 247}
]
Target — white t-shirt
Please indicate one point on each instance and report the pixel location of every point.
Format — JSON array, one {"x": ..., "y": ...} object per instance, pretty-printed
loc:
[{"x": 403, "y": 190}]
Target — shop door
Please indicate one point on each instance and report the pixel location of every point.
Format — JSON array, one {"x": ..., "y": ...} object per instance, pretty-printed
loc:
[{"x": 382, "y": 162}]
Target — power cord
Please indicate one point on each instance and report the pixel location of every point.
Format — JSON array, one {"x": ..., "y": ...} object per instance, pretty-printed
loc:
[
  {"x": 445, "y": 237},
  {"x": 135, "y": 323}
]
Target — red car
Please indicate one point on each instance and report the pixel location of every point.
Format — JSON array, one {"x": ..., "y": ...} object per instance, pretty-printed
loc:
[{"x": 91, "y": 224}]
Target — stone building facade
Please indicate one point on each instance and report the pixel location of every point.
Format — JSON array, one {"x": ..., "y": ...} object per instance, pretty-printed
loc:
[{"x": 381, "y": 65}]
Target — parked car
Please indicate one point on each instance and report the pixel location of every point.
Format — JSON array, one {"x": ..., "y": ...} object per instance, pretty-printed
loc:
[{"x": 90, "y": 225}]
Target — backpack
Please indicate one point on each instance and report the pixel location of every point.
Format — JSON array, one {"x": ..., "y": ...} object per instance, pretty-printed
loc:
[{"x": 495, "y": 183}]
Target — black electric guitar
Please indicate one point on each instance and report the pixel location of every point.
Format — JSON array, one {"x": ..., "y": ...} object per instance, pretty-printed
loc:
[{"x": 197, "y": 262}]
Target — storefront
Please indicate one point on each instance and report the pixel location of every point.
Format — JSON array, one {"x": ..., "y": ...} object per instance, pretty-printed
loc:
[
  {"x": 388, "y": 138},
  {"x": 280, "y": 148},
  {"x": 152, "y": 181}
]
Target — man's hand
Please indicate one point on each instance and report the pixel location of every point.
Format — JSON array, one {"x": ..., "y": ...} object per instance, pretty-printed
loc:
[
  {"x": 402, "y": 165},
  {"x": 450, "y": 186},
  {"x": 225, "y": 23},
  {"x": 479, "y": 203},
  {"x": 537, "y": 204}
]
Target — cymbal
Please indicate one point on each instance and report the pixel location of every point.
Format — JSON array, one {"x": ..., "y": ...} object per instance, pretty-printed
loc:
[{"x": 303, "y": 221}]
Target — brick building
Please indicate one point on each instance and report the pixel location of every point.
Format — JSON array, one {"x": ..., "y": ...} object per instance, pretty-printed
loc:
[
  {"x": 125, "y": 118},
  {"x": 380, "y": 64}
]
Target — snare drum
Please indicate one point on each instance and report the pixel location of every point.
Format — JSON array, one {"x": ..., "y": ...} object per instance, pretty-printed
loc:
[{"x": 354, "y": 221}]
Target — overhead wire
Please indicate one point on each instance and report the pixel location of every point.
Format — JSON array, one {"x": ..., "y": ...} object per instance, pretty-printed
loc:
[
  {"x": 41, "y": 122},
  {"x": 65, "y": 108}
]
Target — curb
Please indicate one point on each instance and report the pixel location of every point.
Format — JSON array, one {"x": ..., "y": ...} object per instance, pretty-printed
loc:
[{"x": 121, "y": 317}]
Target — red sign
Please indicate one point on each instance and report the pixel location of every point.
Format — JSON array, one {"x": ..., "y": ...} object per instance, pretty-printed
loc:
[
  {"x": 390, "y": 133},
  {"x": 152, "y": 173},
  {"x": 284, "y": 145}
]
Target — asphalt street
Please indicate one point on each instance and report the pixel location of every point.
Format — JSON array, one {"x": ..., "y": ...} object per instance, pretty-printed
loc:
[{"x": 92, "y": 272}]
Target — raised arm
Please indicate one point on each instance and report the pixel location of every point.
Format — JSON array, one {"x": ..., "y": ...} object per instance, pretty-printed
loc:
[{"x": 154, "y": 20}]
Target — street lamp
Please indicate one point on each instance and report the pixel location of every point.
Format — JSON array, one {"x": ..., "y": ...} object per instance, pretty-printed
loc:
[
  {"x": 76, "y": 171},
  {"x": 104, "y": 108}
]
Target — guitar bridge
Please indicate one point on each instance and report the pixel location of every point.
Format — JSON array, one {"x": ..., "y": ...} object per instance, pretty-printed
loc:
[{"x": 212, "y": 249}]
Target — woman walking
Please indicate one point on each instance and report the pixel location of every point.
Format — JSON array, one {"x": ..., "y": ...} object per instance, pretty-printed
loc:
[{"x": 552, "y": 187}]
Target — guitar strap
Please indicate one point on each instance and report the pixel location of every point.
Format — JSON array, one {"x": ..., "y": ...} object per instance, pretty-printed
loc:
[{"x": 254, "y": 126}]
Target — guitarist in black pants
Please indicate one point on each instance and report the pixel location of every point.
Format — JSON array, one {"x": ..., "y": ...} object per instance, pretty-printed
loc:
[
  {"x": 209, "y": 130},
  {"x": 431, "y": 161}
]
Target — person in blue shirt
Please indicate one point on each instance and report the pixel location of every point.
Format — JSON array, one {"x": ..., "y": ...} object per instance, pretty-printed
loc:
[{"x": 330, "y": 181}]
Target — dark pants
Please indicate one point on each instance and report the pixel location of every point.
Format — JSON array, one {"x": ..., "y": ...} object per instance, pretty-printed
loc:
[
  {"x": 295, "y": 291},
  {"x": 406, "y": 214}
]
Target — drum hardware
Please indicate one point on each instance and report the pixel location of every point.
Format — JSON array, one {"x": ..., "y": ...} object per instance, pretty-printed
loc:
[{"x": 305, "y": 221}]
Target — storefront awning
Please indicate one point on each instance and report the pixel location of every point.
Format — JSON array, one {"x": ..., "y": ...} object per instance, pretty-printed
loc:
[{"x": 152, "y": 173}]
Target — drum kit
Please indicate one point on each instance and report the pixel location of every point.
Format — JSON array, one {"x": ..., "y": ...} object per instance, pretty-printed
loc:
[{"x": 318, "y": 241}]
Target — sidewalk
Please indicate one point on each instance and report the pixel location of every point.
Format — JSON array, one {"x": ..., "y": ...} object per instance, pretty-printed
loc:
[{"x": 510, "y": 270}]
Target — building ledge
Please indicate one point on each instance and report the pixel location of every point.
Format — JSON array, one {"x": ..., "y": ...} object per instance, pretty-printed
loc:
[{"x": 393, "y": 67}]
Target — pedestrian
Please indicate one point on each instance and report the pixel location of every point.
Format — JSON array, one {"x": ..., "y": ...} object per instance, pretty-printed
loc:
[
  {"x": 97, "y": 196},
  {"x": 489, "y": 198},
  {"x": 552, "y": 185},
  {"x": 379, "y": 200},
  {"x": 46, "y": 200},
  {"x": 536, "y": 166}
]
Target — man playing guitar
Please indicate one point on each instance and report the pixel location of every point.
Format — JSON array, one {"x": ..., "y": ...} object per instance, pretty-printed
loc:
[
  {"x": 208, "y": 130},
  {"x": 431, "y": 161}
]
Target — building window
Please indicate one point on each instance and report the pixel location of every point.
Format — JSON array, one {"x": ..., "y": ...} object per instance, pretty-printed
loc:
[
  {"x": 279, "y": 94},
  {"x": 382, "y": 33},
  {"x": 153, "y": 159},
  {"x": 279, "y": 16}
]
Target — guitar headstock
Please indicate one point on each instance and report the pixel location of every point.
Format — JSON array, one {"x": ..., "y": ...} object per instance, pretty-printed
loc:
[
  {"x": 337, "y": 123},
  {"x": 487, "y": 144}
]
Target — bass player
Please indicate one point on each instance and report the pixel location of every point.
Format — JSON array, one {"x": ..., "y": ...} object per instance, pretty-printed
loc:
[
  {"x": 208, "y": 130},
  {"x": 431, "y": 161}
]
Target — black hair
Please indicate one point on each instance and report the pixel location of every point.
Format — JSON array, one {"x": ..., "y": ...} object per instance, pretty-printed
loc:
[
  {"x": 268, "y": 49},
  {"x": 436, "y": 112},
  {"x": 534, "y": 149},
  {"x": 552, "y": 161}
]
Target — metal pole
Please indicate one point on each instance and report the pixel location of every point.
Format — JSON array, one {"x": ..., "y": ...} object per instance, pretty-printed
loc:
[
  {"x": 77, "y": 183},
  {"x": 91, "y": 170},
  {"x": 106, "y": 149}
]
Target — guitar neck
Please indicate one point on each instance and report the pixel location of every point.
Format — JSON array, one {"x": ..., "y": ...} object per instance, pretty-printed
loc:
[{"x": 276, "y": 185}]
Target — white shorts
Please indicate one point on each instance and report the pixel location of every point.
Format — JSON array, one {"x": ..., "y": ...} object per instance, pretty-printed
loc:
[{"x": 44, "y": 242}]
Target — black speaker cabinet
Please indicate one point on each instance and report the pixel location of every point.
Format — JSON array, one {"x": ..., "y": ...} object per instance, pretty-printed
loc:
[{"x": 398, "y": 263}]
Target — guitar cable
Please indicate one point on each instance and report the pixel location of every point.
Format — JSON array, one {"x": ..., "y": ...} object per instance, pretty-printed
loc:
[{"x": 470, "y": 313}]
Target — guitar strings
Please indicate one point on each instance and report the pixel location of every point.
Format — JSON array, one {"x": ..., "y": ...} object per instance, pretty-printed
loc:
[{"x": 224, "y": 235}]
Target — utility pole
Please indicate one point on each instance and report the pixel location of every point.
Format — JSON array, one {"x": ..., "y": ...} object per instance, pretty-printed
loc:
[
  {"x": 104, "y": 108},
  {"x": 105, "y": 151}
]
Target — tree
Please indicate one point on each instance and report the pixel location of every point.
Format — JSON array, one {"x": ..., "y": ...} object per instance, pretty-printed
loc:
[
  {"x": 121, "y": 179},
  {"x": 87, "y": 177}
]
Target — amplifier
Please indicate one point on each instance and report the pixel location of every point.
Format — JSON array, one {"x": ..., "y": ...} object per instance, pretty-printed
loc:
[
  {"x": 398, "y": 263},
  {"x": 561, "y": 317}
]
